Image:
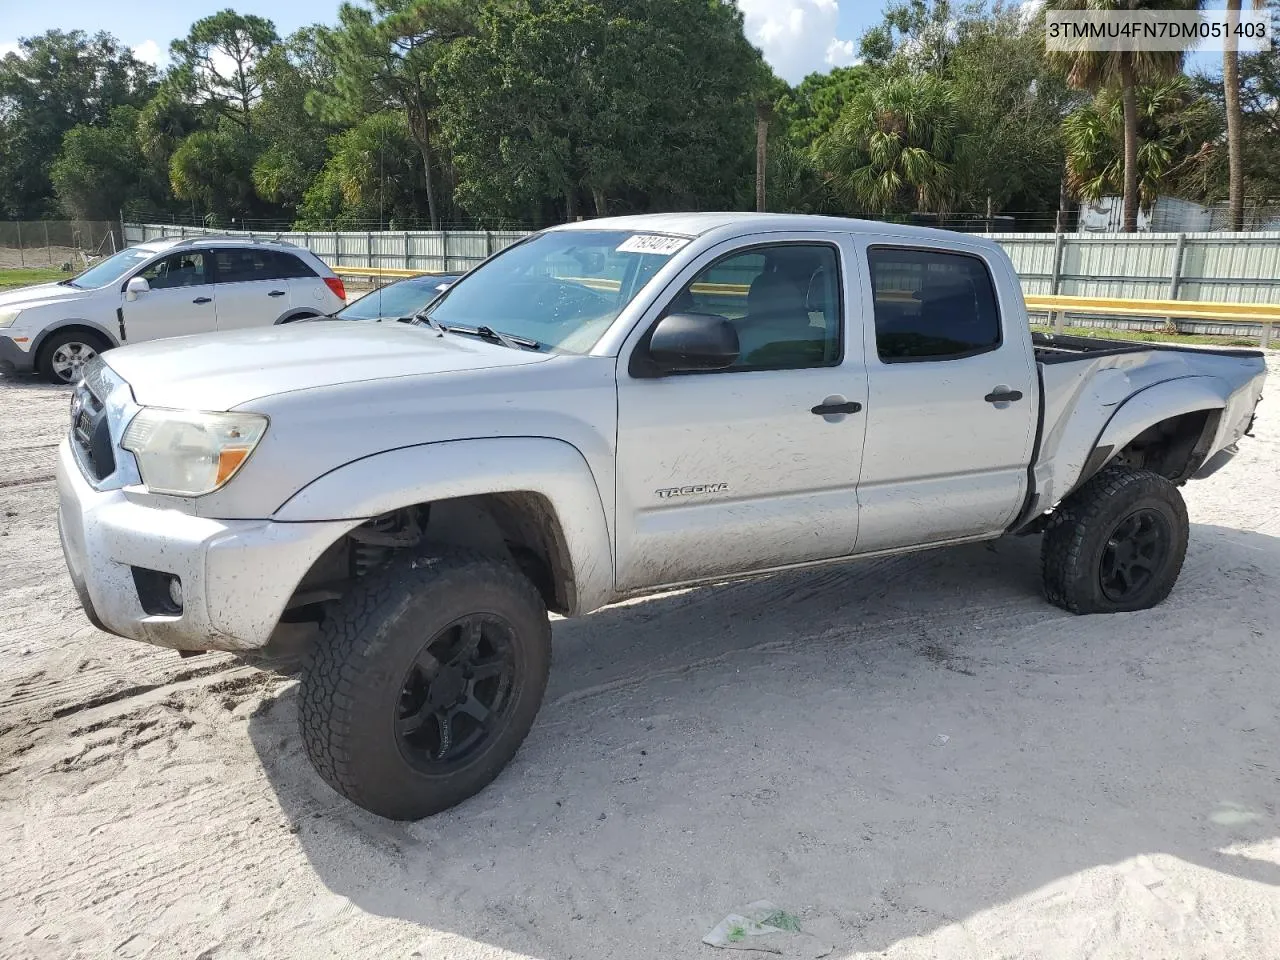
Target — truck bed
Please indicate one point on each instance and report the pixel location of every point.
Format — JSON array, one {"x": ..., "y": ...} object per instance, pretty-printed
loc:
[{"x": 1051, "y": 348}]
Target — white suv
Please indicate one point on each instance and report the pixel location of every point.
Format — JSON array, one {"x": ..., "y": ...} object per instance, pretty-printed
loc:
[{"x": 164, "y": 288}]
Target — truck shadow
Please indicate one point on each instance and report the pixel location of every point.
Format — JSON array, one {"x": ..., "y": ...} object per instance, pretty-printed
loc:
[{"x": 887, "y": 748}]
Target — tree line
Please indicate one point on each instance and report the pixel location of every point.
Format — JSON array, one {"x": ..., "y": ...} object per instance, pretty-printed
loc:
[{"x": 537, "y": 111}]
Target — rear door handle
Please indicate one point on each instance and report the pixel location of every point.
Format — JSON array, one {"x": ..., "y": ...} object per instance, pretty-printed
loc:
[
  {"x": 203, "y": 300},
  {"x": 827, "y": 409},
  {"x": 276, "y": 293},
  {"x": 1003, "y": 396}
]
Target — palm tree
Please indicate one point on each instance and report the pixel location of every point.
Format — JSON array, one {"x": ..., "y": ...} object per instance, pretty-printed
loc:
[
  {"x": 1096, "y": 70},
  {"x": 1235, "y": 133},
  {"x": 894, "y": 146},
  {"x": 1177, "y": 129}
]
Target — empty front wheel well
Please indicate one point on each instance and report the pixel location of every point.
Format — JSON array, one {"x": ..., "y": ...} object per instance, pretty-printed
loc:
[{"x": 521, "y": 527}]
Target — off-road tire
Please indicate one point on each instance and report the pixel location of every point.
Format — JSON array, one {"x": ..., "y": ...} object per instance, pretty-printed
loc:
[
  {"x": 1071, "y": 553},
  {"x": 352, "y": 678},
  {"x": 45, "y": 358}
]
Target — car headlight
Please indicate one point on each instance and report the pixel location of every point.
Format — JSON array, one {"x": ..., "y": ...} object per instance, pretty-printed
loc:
[
  {"x": 8, "y": 316},
  {"x": 187, "y": 453}
]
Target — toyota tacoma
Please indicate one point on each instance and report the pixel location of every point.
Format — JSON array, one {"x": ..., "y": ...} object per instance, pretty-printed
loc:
[{"x": 604, "y": 410}]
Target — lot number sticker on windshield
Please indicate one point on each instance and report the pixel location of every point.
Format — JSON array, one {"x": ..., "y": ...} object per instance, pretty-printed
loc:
[{"x": 652, "y": 243}]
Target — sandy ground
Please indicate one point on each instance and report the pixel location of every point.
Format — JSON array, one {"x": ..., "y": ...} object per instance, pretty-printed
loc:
[{"x": 917, "y": 756}]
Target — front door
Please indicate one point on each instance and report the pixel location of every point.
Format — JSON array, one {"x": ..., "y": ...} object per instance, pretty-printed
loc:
[
  {"x": 180, "y": 301},
  {"x": 754, "y": 466},
  {"x": 952, "y": 400}
]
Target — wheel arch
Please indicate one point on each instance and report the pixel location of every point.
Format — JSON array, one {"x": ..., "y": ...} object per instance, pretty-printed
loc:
[
  {"x": 1098, "y": 432},
  {"x": 534, "y": 499},
  {"x": 1169, "y": 428},
  {"x": 74, "y": 323},
  {"x": 297, "y": 313}
]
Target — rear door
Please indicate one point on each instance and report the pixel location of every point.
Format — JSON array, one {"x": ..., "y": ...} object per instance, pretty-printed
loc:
[
  {"x": 253, "y": 287},
  {"x": 952, "y": 398},
  {"x": 180, "y": 301}
]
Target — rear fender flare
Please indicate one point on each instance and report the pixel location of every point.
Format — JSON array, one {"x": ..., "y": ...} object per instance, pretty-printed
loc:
[
  {"x": 1173, "y": 398},
  {"x": 554, "y": 469}
]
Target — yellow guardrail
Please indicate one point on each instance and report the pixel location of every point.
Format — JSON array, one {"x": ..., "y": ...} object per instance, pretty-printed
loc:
[
  {"x": 378, "y": 272},
  {"x": 1057, "y": 306}
]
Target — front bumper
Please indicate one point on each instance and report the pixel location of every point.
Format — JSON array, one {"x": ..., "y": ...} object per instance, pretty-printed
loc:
[
  {"x": 237, "y": 575},
  {"x": 13, "y": 359}
]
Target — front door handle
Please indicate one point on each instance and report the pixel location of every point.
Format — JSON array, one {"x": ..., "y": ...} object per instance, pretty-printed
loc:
[
  {"x": 276, "y": 293},
  {"x": 203, "y": 300},
  {"x": 827, "y": 409},
  {"x": 1002, "y": 396}
]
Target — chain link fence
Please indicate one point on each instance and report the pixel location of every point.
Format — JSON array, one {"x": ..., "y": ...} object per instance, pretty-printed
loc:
[{"x": 56, "y": 244}]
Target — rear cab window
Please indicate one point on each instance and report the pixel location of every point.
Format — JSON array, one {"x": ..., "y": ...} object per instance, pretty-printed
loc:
[{"x": 932, "y": 305}]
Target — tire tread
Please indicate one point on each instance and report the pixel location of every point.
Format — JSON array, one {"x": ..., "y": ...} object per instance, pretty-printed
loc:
[
  {"x": 1062, "y": 554},
  {"x": 330, "y": 687}
]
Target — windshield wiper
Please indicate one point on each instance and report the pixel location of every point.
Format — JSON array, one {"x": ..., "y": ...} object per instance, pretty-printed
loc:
[
  {"x": 497, "y": 336},
  {"x": 423, "y": 317}
]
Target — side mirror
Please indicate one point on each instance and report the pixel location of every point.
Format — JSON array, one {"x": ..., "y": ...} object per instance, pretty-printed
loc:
[
  {"x": 135, "y": 287},
  {"x": 683, "y": 342}
]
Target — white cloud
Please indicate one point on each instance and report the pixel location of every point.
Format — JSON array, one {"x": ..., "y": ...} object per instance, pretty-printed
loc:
[
  {"x": 798, "y": 37},
  {"x": 7, "y": 47},
  {"x": 224, "y": 63},
  {"x": 840, "y": 53},
  {"x": 148, "y": 51}
]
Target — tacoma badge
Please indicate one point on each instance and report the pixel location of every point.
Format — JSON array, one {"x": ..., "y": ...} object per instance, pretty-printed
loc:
[{"x": 692, "y": 491}]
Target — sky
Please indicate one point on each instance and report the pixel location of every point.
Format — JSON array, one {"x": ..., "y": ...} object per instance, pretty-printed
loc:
[{"x": 798, "y": 37}]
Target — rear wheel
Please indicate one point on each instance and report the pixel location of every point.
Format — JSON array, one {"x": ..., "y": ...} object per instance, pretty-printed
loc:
[
  {"x": 425, "y": 682},
  {"x": 63, "y": 356},
  {"x": 1117, "y": 544}
]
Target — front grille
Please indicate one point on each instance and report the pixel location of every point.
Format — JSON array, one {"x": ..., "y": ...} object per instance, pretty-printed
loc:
[{"x": 91, "y": 433}]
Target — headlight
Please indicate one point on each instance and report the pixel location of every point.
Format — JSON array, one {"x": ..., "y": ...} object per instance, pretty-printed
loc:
[
  {"x": 8, "y": 316},
  {"x": 189, "y": 454}
]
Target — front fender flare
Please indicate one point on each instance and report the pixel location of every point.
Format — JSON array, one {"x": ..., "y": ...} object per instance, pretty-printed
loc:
[{"x": 554, "y": 469}]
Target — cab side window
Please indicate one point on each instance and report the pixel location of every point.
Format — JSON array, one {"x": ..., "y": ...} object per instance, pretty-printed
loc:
[
  {"x": 185, "y": 269},
  {"x": 784, "y": 301},
  {"x": 932, "y": 305}
]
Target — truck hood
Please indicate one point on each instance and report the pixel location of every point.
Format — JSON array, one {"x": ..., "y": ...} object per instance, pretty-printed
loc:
[
  {"x": 38, "y": 295},
  {"x": 219, "y": 371}
]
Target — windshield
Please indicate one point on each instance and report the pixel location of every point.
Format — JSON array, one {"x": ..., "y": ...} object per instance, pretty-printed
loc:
[
  {"x": 111, "y": 269},
  {"x": 562, "y": 289},
  {"x": 403, "y": 298}
]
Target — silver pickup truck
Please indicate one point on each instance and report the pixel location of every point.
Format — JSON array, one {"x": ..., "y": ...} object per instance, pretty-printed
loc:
[{"x": 604, "y": 410}]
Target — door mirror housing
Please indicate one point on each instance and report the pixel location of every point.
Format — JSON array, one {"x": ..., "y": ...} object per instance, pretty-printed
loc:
[
  {"x": 687, "y": 342},
  {"x": 135, "y": 287}
]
